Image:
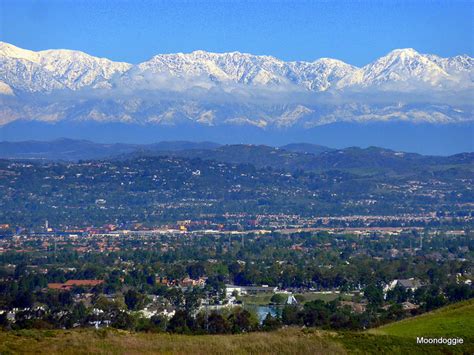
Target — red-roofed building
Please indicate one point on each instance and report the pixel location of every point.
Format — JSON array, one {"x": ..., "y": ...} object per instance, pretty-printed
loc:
[{"x": 68, "y": 285}]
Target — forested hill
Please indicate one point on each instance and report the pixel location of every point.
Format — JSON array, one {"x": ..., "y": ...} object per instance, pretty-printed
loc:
[
  {"x": 369, "y": 160},
  {"x": 292, "y": 157}
]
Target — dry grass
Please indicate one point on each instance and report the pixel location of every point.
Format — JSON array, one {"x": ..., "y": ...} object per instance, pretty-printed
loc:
[{"x": 286, "y": 341}]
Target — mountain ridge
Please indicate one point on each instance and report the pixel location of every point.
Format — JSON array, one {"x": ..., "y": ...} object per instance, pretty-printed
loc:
[
  {"x": 237, "y": 66},
  {"x": 233, "y": 89}
]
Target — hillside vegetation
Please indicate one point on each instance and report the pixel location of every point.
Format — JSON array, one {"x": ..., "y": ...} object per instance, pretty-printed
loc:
[
  {"x": 399, "y": 338},
  {"x": 456, "y": 320}
]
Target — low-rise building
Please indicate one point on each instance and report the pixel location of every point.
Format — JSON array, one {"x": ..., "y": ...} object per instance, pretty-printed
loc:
[{"x": 246, "y": 290}]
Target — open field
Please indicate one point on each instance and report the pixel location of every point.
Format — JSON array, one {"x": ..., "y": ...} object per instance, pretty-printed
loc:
[
  {"x": 258, "y": 300},
  {"x": 398, "y": 338},
  {"x": 264, "y": 299},
  {"x": 326, "y": 297}
]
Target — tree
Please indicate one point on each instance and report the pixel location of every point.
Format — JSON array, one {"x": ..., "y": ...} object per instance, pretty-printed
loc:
[
  {"x": 342, "y": 319},
  {"x": 191, "y": 299},
  {"x": 290, "y": 315},
  {"x": 242, "y": 320},
  {"x": 278, "y": 298},
  {"x": 109, "y": 306},
  {"x": 457, "y": 293},
  {"x": 271, "y": 323},
  {"x": 395, "y": 312},
  {"x": 374, "y": 294},
  {"x": 79, "y": 313},
  {"x": 20, "y": 270},
  {"x": 180, "y": 322},
  {"x": 133, "y": 300},
  {"x": 3, "y": 321},
  {"x": 398, "y": 294},
  {"x": 65, "y": 298},
  {"x": 195, "y": 271},
  {"x": 123, "y": 320},
  {"x": 24, "y": 300},
  {"x": 159, "y": 322},
  {"x": 217, "y": 324},
  {"x": 315, "y": 314},
  {"x": 175, "y": 295}
]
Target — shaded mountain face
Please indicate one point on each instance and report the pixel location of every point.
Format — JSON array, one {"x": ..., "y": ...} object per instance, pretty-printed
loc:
[{"x": 232, "y": 89}]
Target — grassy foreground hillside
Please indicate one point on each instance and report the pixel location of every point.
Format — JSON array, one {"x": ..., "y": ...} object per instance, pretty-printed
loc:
[
  {"x": 456, "y": 320},
  {"x": 399, "y": 338},
  {"x": 292, "y": 341}
]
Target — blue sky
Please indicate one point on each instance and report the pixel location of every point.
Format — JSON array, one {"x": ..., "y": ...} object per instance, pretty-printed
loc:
[{"x": 133, "y": 31}]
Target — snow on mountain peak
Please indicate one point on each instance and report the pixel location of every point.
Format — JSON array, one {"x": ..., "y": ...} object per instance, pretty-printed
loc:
[
  {"x": 11, "y": 51},
  {"x": 404, "y": 69},
  {"x": 404, "y": 52},
  {"x": 53, "y": 69},
  {"x": 49, "y": 70},
  {"x": 210, "y": 88}
]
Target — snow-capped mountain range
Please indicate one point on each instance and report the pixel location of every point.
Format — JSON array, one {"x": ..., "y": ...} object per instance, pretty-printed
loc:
[{"x": 233, "y": 88}]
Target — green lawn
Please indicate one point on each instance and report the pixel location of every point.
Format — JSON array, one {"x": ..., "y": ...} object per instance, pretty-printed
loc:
[
  {"x": 259, "y": 300},
  {"x": 326, "y": 297},
  {"x": 264, "y": 299}
]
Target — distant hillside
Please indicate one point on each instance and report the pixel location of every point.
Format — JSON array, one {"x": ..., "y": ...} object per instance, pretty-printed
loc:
[
  {"x": 293, "y": 157},
  {"x": 306, "y": 148},
  {"x": 371, "y": 160},
  {"x": 73, "y": 150}
]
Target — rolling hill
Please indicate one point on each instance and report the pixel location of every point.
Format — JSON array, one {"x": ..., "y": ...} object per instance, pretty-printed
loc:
[{"x": 291, "y": 157}]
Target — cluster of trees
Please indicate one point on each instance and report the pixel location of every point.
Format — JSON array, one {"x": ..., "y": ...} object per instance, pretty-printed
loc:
[
  {"x": 237, "y": 320},
  {"x": 324, "y": 314},
  {"x": 59, "y": 310}
]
